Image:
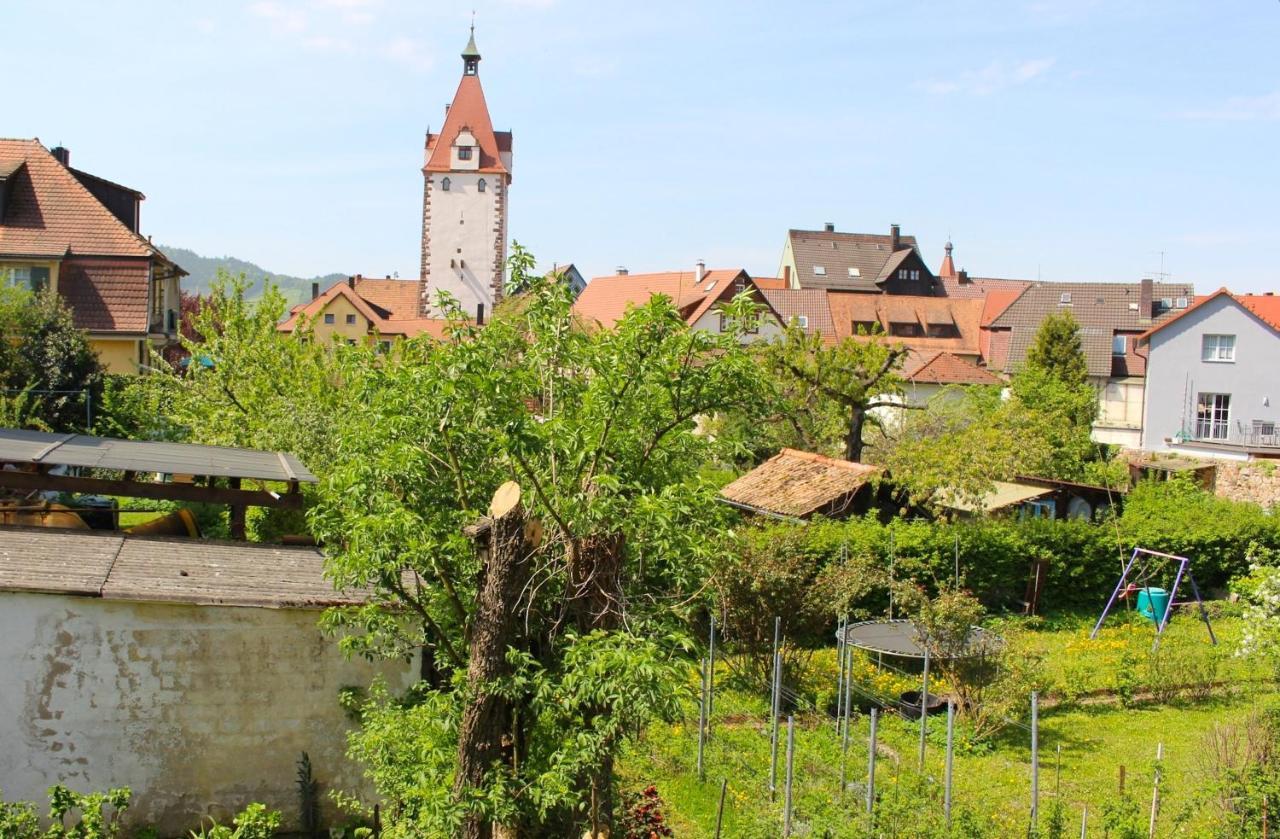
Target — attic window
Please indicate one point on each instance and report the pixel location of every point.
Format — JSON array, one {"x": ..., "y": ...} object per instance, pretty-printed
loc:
[
  {"x": 1166, "y": 302},
  {"x": 820, "y": 270},
  {"x": 854, "y": 272},
  {"x": 802, "y": 321},
  {"x": 1065, "y": 299},
  {"x": 1101, "y": 301},
  {"x": 464, "y": 152},
  {"x": 1119, "y": 344},
  {"x": 1180, "y": 303}
]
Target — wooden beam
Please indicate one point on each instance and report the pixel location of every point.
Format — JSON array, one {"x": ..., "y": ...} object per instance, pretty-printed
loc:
[{"x": 146, "y": 489}]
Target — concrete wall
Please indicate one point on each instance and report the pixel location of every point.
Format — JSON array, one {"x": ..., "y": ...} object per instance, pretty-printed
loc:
[
  {"x": 199, "y": 709},
  {"x": 1176, "y": 373},
  {"x": 466, "y": 231}
]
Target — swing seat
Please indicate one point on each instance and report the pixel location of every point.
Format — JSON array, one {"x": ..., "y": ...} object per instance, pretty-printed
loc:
[{"x": 1152, "y": 603}]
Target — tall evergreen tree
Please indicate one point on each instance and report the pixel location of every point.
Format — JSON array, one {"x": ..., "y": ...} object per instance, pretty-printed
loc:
[{"x": 1058, "y": 350}]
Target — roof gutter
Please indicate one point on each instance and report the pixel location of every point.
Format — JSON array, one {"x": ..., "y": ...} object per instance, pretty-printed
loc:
[{"x": 760, "y": 511}]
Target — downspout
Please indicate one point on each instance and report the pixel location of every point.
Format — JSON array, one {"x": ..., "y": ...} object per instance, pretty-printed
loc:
[{"x": 1146, "y": 375}]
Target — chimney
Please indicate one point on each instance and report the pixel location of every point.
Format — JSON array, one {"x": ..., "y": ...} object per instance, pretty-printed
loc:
[
  {"x": 351, "y": 281},
  {"x": 1146, "y": 298},
  {"x": 830, "y": 227},
  {"x": 62, "y": 154},
  {"x": 895, "y": 236},
  {"x": 786, "y": 275},
  {"x": 388, "y": 276},
  {"x": 699, "y": 271},
  {"x": 963, "y": 276},
  {"x": 315, "y": 290},
  {"x": 622, "y": 271},
  {"x": 480, "y": 314}
]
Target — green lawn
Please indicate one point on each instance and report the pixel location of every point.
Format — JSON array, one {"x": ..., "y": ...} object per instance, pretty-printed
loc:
[{"x": 1096, "y": 735}]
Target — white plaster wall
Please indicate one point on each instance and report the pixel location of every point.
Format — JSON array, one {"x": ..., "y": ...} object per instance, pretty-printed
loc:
[
  {"x": 462, "y": 229},
  {"x": 769, "y": 326},
  {"x": 199, "y": 709},
  {"x": 1176, "y": 373}
]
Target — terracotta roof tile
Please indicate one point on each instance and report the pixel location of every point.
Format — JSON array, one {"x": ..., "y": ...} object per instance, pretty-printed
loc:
[
  {"x": 980, "y": 286},
  {"x": 606, "y": 299},
  {"x": 390, "y": 306},
  {"x": 468, "y": 111},
  {"x": 850, "y": 308},
  {"x": 50, "y": 213},
  {"x": 106, "y": 295},
  {"x": 799, "y": 484},
  {"x": 943, "y": 368},
  {"x": 811, "y": 303}
]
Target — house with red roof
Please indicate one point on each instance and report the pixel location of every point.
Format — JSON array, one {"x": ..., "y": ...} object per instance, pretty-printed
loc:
[
  {"x": 699, "y": 294},
  {"x": 1212, "y": 378},
  {"x": 77, "y": 234},
  {"x": 360, "y": 309}
]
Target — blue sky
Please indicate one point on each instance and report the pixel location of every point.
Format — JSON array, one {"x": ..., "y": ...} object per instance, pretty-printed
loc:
[{"x": 1067, "y": 139}]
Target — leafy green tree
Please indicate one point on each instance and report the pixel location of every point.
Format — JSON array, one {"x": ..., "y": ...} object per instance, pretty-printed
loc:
[
  {"x": 50, "y": 374},
  {"x": 599, "y": 430},
  {"x": 813, "y": 383},
  {"x": 1057, "y": 349}
]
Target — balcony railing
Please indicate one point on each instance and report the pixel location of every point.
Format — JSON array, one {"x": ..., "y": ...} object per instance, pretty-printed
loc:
[{"x": 1252, "y": 434}]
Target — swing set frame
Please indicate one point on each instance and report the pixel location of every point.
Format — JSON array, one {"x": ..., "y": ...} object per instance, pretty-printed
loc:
[{"x": 1148, "y": 564}]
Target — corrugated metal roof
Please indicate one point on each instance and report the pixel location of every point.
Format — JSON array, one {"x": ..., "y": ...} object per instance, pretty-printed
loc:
[
  {"x": 21, "y": 446},
  {"x": 1005, "y": 494},
  {"x": 115, "y": 566}
]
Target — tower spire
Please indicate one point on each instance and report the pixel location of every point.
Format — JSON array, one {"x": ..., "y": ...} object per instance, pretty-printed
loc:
[{"x": 471, "y": 55}]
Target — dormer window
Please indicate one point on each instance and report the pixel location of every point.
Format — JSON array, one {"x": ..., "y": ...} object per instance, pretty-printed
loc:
[
  {"x": 480, "y": 185},
  {"x": 820, "y": 270},
  {"x": 444, "y": 184},
  {"x": 464, "y": 152}
]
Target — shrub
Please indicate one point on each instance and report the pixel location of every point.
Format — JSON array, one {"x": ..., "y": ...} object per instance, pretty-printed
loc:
[
  {"x": 18, "y": 820},
  {"x": 253, "y": 822},
  {"x": 643, "y": 817}
]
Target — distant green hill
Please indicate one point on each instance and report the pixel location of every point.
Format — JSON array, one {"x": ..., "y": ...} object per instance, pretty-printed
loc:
[{"x": 203, "y": 269}]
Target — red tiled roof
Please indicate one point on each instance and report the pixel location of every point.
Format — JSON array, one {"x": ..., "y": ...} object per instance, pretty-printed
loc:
[
  {"x": 1265, "y": 307},
  {"x": 764, "y": 283},
  {"x": 390, "y": 306},
  {"x": 850, "y": 261},
  {"x": 468, "y": 111},
  {"x": 849, "y": 308},
  {"x": 106, "y": 295},
  {"x": 606, "y": 299},
  {"x": 980, "y": 286},
  {"x": 944, "y": 368},
  {"x": 51, "y": 214}
]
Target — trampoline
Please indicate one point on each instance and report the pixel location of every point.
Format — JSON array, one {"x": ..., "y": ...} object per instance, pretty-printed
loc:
[{"x": 902, "y": 638}]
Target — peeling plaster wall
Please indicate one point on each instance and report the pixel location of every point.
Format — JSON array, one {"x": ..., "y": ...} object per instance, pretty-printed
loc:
[{"x": 199, "y": 709}]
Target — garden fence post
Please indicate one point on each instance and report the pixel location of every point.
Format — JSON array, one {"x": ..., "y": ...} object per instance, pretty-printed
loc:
[
  {"x": 1155, "y": 792},
  {"x": 951, "y": 721},
  {"x": 844, "y": 740},
  {"x": 871, "y": 762},
  {"x": 1035, "y": 757},
  {"x": 724, "y": 786},
  {"x": 924, "y": 704},
  {"x": 702, "y": 720},
  {"x": 773, "y": 738},
  {"x": 840, "y": 668},
  {"x": 1084, "y": 822},
  {"x": 711, "y": 674},
  {"x": 791, "y": 750}
]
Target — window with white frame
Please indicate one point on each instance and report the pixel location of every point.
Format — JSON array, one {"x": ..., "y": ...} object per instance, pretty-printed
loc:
[
  {"x": 1119, "y": 344},
  {"x": 820, "y": 270},
  {"x": 1213, "y": 416},
  {"x": 1218, "y": 348},
  {"x": 31, "y": 278},
  {"x": 802, "y": 321}
]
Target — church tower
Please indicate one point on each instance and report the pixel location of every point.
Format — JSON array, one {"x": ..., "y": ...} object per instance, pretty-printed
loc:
[{"x": 464, "y": 201}]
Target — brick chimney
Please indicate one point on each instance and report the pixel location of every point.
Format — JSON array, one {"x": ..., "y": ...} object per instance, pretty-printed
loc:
[
  {"x": 895, "y": 236},
  {"x": 315, "y": 290},
  {"x": 963, "y": 276},
  {"x": 1146, "y": 298},
  {"x": 622, "y": 271},
  {"x": 699, "y": 271},
  {"x": 351, "y": 281},
  {"x": 786, "y": 275},
  {"x": 62, "y": 154}
]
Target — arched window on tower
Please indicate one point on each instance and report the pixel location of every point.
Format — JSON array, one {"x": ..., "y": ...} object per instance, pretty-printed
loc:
[
  {"x": 481, "y": 185},
  {"x": 444, "y": 184}
]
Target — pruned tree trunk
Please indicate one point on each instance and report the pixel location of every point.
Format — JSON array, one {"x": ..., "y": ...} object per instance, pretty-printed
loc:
[
  {"x": 595, "y": 589},
  {"x": 484, "y": 737},
  {"x": 853, "y": 442}
]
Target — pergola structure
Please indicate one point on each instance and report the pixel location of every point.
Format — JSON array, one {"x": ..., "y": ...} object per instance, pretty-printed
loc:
[{"x": 178, "y": 471}]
